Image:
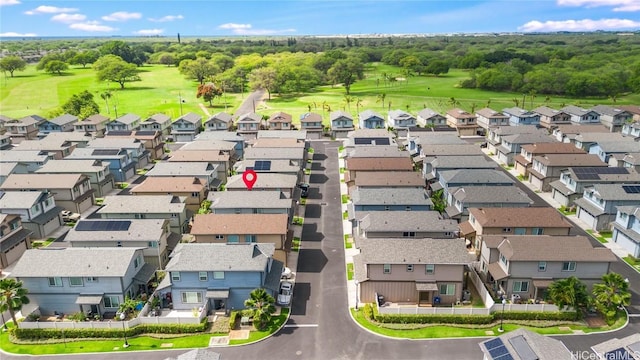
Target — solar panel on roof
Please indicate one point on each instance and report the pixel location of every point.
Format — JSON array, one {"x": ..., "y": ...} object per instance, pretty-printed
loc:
[
  {"x": 102, "y": 152},
  {"x": 617, "y": 354},
  {"x": 587, "y": 176},
  {"x": 362, "y": 141},
  {"x": 504, "y": 357},
  {"x": 522, "y": 348},
  {"x": 494, "y": 343},
  {"x": 612, "y": 170},
  {"x": 498, "y": 352},
  {"x": 262, "y": 165},
  {"x": 145, "y": 132},
  {"x": 88, "y": 225},
  {"x": 631, "y": 189}
]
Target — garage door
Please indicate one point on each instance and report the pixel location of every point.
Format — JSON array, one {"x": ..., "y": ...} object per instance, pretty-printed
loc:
[
  {"x": 586, "y": 217},
  {"x": 15, "y": 253}
]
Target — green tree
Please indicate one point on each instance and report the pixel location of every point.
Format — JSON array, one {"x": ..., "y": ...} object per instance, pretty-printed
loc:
[
  {"x": 84, "y": 58},
  {"x": 12, "y": 63},
  {"x": 113, "y": 68},
  {"x": 381, "y": 98},
  {"x": 56, "y": 67},
  {"x": 570, "y": 293},
  {"x": 42, "y": 64},
  {"x": 167, "y": 59},
  {"x": 262, "y": 305},
  {"x": 106, "y": 96},
  {"x": 437, "y": 67},
  {"x": 612, "y": 293},
  {"x": 198, "y": 69},
  {"x": 346, "y": 71},
  {"x": 12, "y": 297},
  {"x": 118, "y": 48},
  {"x": 81, "y": 105},
  {"x": 208, "y": 92},
  {"x": 263, "y": 78},
  {"x": 439, "y": 203}
]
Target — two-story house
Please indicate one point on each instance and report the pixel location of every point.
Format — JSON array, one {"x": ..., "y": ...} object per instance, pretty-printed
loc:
[
  {"x": 139, "y": 154},
  {"x": 433, "y": 165},
  {"x": 279, "y": 121},
  {"x": 456, "y": 178},
  {"x": 573, "y": 181},
  {"x": 631, "y": 129},
  {"x": 219, "y": 122},
  {"x": 524, "y": 160},
  {"x": 430, "y": 118},
  {"x": 100, "y": 178},
  {"x": 612, "y": 117},
  {"x": 27, "y": 161},
  {"x": 568, "y": 133},
  {"x": 401, "y": 121},
  {"x": 464, "y": 122},
  {"x": 73, "y": 192},
  {"x": 25, "y": 128},
  {"x": 586, "y": 141},
  {"x": 425, "y": 272},
  {"x": 389, "y": 179},
  {"x": 370, "y": 119},
  {"x": 219, "y": 276},
  {"x": 608, "y": 151},
  {"x": 191, "y": 188},
  {"x": 341, "y": 124},
  {"x": 167, "y": 207},
  {"x": 489, "y": 118},
  {"x": 525, "y": 344},
  {"x": 396, "y": 224},
  {"x": 96, "y": 125},
  {"x": 5, "y": 142},
  {"x": 62, "y": 123},
  {"x": 511, "y": 145},
  {"x": 548, "y": 168},
  {"x": 221, "y": 159},
  {"x": 55, "y": 148},
  {"x": 356, "y": 167},
  {"x": 206, "y": 172},
  {"x": 597, "y": 207},
  {"x": 581, "y": 116},
  {"x": 249, "y": 124},
  {"x": 151, "y": 140},
  {"x": 251, "y": 202},
  {"x": 369, "y": 138},
  {"x": 14, "y": 239},
  {"x": 286, "y": 183},
  {"x": 390, "y": 199},
  {"x": 245, "y": 228},
  {"x": 151, "y": 235},
  {"x": 523, "y": 267},
  {"x": 229, "y": 136},
  {"x": 495, "y": 134},
  {"x": 3, "y": 120},
  {"x": 157, "y": 122},
  {"x": 186, "y": 127},
  {"x": 551, "y": 118},
  {"x": 518, "y": 116},
  {"x": 92, "y": 281},
  {"x": 37, "y": 210},
  {"x": 461, "y": 199},
  {"x": 126, "y": 122},
  {"x": 312, "y": 124},
  {"x": 120, "y": 161},
  {"x": 626, "y": 229},
  {"x": 296, "y": 154}
]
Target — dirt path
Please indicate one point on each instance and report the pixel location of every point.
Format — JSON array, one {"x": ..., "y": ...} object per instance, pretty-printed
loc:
[{"x": 204, "y": 109}]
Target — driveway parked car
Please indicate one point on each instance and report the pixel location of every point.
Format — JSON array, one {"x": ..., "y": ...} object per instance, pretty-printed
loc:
[
  {"x": 284, "y": 296},
  {"x": 286, "y": 273},
  {"x": 304, "y": 190}
]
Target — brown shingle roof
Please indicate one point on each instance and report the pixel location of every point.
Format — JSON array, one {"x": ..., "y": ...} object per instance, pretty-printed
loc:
[
  {"x": 369, "y": 164},
  {"x": 198, "y": 156},
  {"x": 169, "y": 184},
  {"x": 553, "y": 248},
  {"x": 390, "y": 178},
  {"x": 256, "y": 224},
  {"x": 519, "y": 217},
  {"x": 460, "y": 114},
  {"x": 573, "y": 160},
  {"x": 552, "y": 148},
  {"x": 277, "y": 143},
  {"x": 42, "y": 181},
  {"x": 280, "y": 117}
]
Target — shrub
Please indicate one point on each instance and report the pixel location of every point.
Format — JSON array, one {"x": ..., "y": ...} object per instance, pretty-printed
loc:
[
  {"x": 537, "y": 315},
  {"x": 232, "y": 319},
  {"x": 367, "y": 311},
  {"x": 434, "y": 319}
]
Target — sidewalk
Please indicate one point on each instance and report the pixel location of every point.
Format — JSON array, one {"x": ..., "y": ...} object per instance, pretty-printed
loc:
[{"x": 347, "y": 227}]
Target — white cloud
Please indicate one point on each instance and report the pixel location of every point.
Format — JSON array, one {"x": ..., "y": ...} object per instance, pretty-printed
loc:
[
  {"x": 122, "y": 16},
  {"x": 247, "y": 29},
  {"x": 68, "y": 18},
  {"x": 149, "y": 32},
  {"x": 9, "y": 2},
  {"x": 43, "y": 9},
  {"x": 167, "y": 18},
  {"x": 232, "y": 26},
  {"x": 618, "y": 5},
  {"x": 579, "y": 25},
  {"x": 15, "y": 34},
  {"x": 92, "y": 26}
]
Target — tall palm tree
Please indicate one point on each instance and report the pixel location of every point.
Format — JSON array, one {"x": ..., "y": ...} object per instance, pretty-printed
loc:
[
  {"x": 381, "y": 98},
  {"x": 569, "y": 292},
  {"x": 532, "y": 96},
  {"x": 516, "y": 101},
  {"x": 262, "y": 305},
  {"x": 358, "y": 104},
  {"x": 454, "y": 102},
  {"x": 106, "y": 96},
  {"x": 473, "y": 107},
  {"x": 12, "y": 297},
  {"x": 610, "y": 294},
  {"x": 348, "y": 99}
]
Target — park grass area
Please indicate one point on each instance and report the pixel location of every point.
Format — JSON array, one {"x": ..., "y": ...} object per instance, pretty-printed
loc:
[
  {"x": 634, "y": 262},
  {"x": 600, "y": 236},
  {"x": 350, "y": 271}
]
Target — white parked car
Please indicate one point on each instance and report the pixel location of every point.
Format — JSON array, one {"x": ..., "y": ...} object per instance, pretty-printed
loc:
[
  {"x": 286, "y": 273},
  {"x": 284, "y": 296}
]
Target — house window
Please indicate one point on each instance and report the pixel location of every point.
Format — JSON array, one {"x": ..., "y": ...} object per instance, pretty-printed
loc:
[
  {"x": 152, "y": 244},
  {"x": 119, "y": 244},
  {"x": 191, "y": 297},
  {"x": 386, "y": 208},
  {"x": 520, "y": 286},
  {"x": 218, "y": 275},
  {"x": 408, "y": 208},
  {"x": 520, "y": 231},
  {"x": 537, "y": 231},
  {"x": 111, "y": 301},
  {"x": 542, "y": 266},
  {"x": 503, "y": 259},
  {"x": 55, "y": 281},
  {"x": 202, "y": 275},
  {"x": 175, "y": 276},
  {"x": 409, "y": 234},
  {"x": 233, "y": 239},
  {"x": 410, "y": 267},
  {"x": 506, "y": 230},
  {"x": 219, "y": 237},
  {"x": 569, "y": 266},
  {"x": 447, "y": 289},
  {"x": 386, "y": 269},
  {"x": 250, "y": 239},
  {"x": 137, "y": 261},
  {"x": 75, "y": 281},
  {"x": 194, "y": 194},
  {"x": 429, "y": 269},
  {"x": 92, "y": 279}
]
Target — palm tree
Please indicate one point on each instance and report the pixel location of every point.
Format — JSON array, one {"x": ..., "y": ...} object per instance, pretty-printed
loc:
[
  {"x": 611, "y": 294},
  {"x": 262, "y": 305},
  {"x": 488, "y": 103},
  {"x": 348, "y": 99},
  {"x": 516, "y": 101},
  {"x": 532, "y": 95},
  {"x": 358, "y": 104},
  {"x": 569, "y": 292},
  {"x": 12, "y": 297},
  {"x": 381, "y": 98},
  {"x": 454, "y": 102},
  {"x": 473, "y": 107},
  {"x": 106, "y": 96}
]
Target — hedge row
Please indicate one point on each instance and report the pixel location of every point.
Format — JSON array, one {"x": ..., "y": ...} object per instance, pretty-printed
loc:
[{"x": 39, "y": 334}]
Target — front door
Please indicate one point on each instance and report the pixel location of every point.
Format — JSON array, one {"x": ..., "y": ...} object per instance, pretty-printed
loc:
[{"x": 425, "y": 298}]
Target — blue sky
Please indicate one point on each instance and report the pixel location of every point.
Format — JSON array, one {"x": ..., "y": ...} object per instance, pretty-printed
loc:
[{"x": 310, "y": 17}]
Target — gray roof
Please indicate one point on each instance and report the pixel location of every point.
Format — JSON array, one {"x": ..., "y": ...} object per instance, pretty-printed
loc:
[
  {"x": 64, "y": 119},
  {"x": 619, "y": 146},
  {"x": 429, "y": 113},
  {"x": 139, "y": 230},
  {"x": 608, "y": 110},
  {"x": 42, "y": 181},
  {"x": 614, "y": 192},
  {"x": 553, "y": 248},
  {"x": 491, "y": 114},
  {"x": 516, "y": 111},
  {"x": 377, "y": 152},
  {"x": 249, "y": 199},
  {"x": 250, "y": 117},
  {"x": 115, "y": 143},
  {"x": 148, "y": 204},
  {"x": 220, "y": 257},
  {"x": 23, "y": 156},
  {"x": 545, "y": 348},
  {"x": 274, "y": 153},
  {"x": 63, "y": 262},
  {"x": 180, "y": 168},
  {"x": 598, "y": 137},
  {"x": 73, "y": 166},
  {"x": 369, "y": 114},
  {"x": 522, "y": 129},
  {"x": 630, "y": 343},
  {"x": 406, "y": 221},
  {"x": 529, "y": 138},
  {"x": 88, "y": 153},
  {"x": 400, "y": 114},
  {"x": 7, "y": 168},
  {"x": 547, "y": 111},
  {"x": 390, "y": 196},
  {"x": 209, "y": 144},
  {"x": 159, "y": 118},
  {"x": 337, "y": 114},
  {"x": 475, "y": 176},
  {"x": 128, "y": 118},
  {"x": 282, "y": 134},
  {"x": 574, "y": 110},
  {"x": 461, "y": 162},
  {"x": 499, "y": 195},
  {"x": 277, "y": 166},
  {"x": 219, "y": 135},
  {"x": 21, "y": 199},
  {"x": 197, "y": 354},
  {"x": 630, "y": 158},
  {"x": 414, "y": 251},
  {"x": 449, "y": 149},
  {"x": 191, "y": 117},
  {"x": 265, "y": 181},
  {"x": 367, "y": 133},
  {"x": 221, "y": 116}
]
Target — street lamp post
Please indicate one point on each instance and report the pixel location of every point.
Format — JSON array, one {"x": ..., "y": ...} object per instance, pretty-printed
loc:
[
  {"x": 357, "y": 283},
  {"x": 124, "y": 332},
  {"x": 504, "y": 301}
]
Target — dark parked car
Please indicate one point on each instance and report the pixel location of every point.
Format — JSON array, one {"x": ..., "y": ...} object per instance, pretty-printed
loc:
[{"x": 304, "y": 190}]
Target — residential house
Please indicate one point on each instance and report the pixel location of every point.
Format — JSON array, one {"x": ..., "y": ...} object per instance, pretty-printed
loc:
[
  {"x": 5, "y": 142},
  {"x": 76, "y": 139},
  {"x": 401, "y": 121},
  {"x": 464, "y": 122},
  {"x": 495, "y": 135},
  {"x": 219, "y": 122},
  {"x": 4, "y": 120},
  {"x": 157, "y": 122},
  {"x": 100, "y": 178},
  {"x": 370, "y": 119},
  {"x": 126, "y": 122},
  {"x": 213, "y": 146},
  {"x": 390, "y": 199},
  {"x": 462, "y": 198},
  {"x": 511, "y": 145},
  {"x": 219, "y": 276},
  {"x": 8, "y": 168},
  {"x": 92, "y": 281},
  {"x": 299, "y": 135},
  {"x": 120, "y": 161},
  {"x": 626, "y": 229},
  {"x": 27, "y": 161},
  {"x": 206, "y": 172},
  {"x": 633, "y": 109},
  {"x": 432, "y": 166},
  {"x": 597, "y": 207},
  {"x": 388, "y": 179},
  {"x": 151, "y": 140},
  {"x": 25, "y": 128},
  {"x": 163, "y": 207},
  {"x": 523, "y": 344},
  {"x": 14, "y": 239},
  {"x": 245, "y": 229},
  {"x": 341, "y": 124},
  {"x": 55, "y": 148},
  {"x": 612, "y": 117},
  {"x": 279, "y": 121},
  {"x": 191, "y": 188},
  {"x": 489, "y": 118},
  {"x": 186, "y": 127},
  {"x": 626, "y": 348},
  {"x": 363, "y": 166},
  {"x": 436, "y": 150},
  {"x": 151, "y": 235},
  {"x": 73, "y": 192},
  {"x": 312, "y": 124},
  {"x": 513, "y": 221},
  {"x": 375, "y": 151},
  {"x": 220, "y": 159},
  {"x": 229, "y": 136},
  {"x": 420, "y": 271},
  {"x": 572, "y": 181},
  {"x": 608, "y": 150},
  {"x": 96, "y": 125},
  {"x": 524, "y": 160},
  {"x": 369, "y": 138},
  {"x": 430, "y": 118},
  {"x": 518, "y": 116},
  {"x": 456, "y": 178},
  {"x": 551, "y": 118},
  {"x": 62, "y": 123},
  {"x": 37, "y": 210},
  {"x": 523, "y": 267},
  {"x": 548, "y": 168},
  {"x": 296, "y": 155},
  {"x": 138, "y": 153},
  {"x": 396, "y": 224},
  {"x": 265, "y": 182},
  {"x": 270, "y": 166},
  {"x": 631, "y": 129},
  {"x": 580, "y": 116},
  {"x": 251, "y": 202},
  {"x": 249, "y": 124},
  {"x": 568, "y": 133},
  {"x": 631, "y": 160}
]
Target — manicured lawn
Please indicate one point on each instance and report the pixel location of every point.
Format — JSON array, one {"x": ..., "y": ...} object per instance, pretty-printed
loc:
[
  {"x": 635, "y": 263},
  {"x": 345, "y": 199},
  {"x": 42, "y": 244},
  {"x": 350, "y": 271},
  {"x": 600, "y": 236},
  {"x": 295, "y": 246},
  {"x": 567, "y": 211},
  {"x": 345, "y": 215},
  {"x": 275, "y": 325},
  {"x": 297, "y": 220}
]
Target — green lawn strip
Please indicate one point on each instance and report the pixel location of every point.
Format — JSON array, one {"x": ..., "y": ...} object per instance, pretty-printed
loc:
[
  {"x": 348, "y": 244},
  {"x": 345, "y": 215},
  {"x": 635, "y": 263},
  {"x": 350, "y": 271},
  {"x": 567, "y": 211},
  {"x": 311, "y": 150},
  {"x": 345, "y": 199},
  {"x": 275, "y": 325},
  {"x": 295, "y": 246},
  {"x": 42, "y": 244},
  {"x": 598, "y": 237},
  {"x": 298, "y": 220}
]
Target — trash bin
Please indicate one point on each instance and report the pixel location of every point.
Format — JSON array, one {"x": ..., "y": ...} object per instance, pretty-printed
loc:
[
  {"x": 380, "y": 300},
  {"x": 466, "y": 295},
  {"x": 436, "y": 300}
]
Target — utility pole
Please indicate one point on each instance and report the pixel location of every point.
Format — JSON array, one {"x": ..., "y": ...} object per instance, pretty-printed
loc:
[{"x": 180, "y": 100}]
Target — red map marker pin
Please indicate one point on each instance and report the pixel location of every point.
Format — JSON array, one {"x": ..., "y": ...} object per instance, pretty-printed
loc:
[{"x": 249, "y": 177}]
